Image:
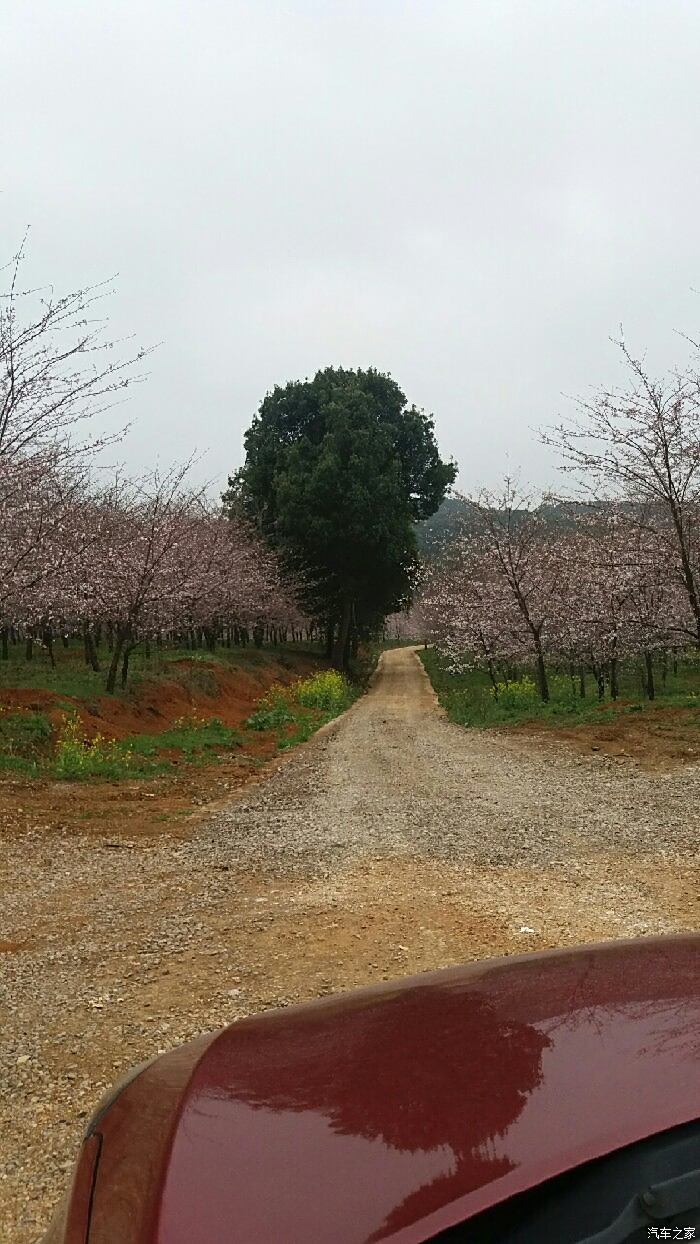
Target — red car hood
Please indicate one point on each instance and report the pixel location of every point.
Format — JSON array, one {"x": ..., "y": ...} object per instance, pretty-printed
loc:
[{"x": 396, "y": 1111}]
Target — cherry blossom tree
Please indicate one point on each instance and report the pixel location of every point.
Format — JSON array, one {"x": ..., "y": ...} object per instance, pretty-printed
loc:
[
  {"x": 570, "y": 586},
  {"x": 641, "y": 445},
  {"x": 520, "y": 572},
  {"x": 42, "y": 546},
  {"x": 58, "y": 368}
]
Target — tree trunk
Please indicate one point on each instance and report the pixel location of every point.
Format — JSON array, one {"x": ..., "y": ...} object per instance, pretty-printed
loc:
[
  {"x": 329, "y": 638},
  {"x": 48, "y": 644},
  {"x": 542, "y": 684},
  {"x": 258, "y": 634},
  {"x": 649, "y": 676},
  {"x": 90, "y": 650},
  {"x": 338, "y": 656},
  {"x": 582, "y": 683},
  {"x": 614, "y": 682},
  {"x": 4, "y": 639},
  {"x": 128, "y": 649},
  {"x": 29, "y": 648},
  {"x": 687, "y": 569},
  {"x": 118, "y": 645}
]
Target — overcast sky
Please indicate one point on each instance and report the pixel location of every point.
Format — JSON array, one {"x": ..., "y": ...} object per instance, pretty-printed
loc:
[{"x": 470, "y": 194}]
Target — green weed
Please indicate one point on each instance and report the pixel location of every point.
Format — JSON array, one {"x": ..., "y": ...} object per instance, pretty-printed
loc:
[{"x": 195, "y": 737}]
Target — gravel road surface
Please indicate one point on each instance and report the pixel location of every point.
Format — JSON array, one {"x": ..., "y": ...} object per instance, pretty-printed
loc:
[
  {"x": 393, "y": 842},
  {"x": 395, "y": 777}
]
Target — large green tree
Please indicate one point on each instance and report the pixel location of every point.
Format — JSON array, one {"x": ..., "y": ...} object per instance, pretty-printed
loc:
[{"x": 338, "y": 470}]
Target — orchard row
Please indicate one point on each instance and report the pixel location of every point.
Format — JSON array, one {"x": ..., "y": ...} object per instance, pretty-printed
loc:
[
  {"x": 611, "y": 574},
  {"x": 130, "y": 561},
  {"x": 117, "y": 559}
]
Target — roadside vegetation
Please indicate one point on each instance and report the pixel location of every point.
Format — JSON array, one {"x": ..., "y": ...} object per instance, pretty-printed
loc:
[
  {"x": 297, "y": 711},
  {"x": 114, "y": 589},
  {"x": 69, "y": 676},
  {"x": 65, "y": 733},
  {"x": 471, "y": 699},
  {"x": 31, "y": 744}
]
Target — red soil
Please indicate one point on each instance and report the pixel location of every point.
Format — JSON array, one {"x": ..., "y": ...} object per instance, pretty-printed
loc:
[
  {"x": 658, "y": 739},
  {"x": 171, "y": 803},
  {"x": 204, "y": 689}
]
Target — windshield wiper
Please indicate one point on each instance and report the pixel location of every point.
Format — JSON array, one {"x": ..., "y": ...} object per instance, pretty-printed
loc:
[{"x": 657, "y": 1203}]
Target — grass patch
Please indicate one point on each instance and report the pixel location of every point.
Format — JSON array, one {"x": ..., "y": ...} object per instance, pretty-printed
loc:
[
  {"x": 23, "y": 732},
  {"x": 24, "y": 738},
  {"x": 196, "y": 738},
  {"x": 19, "y": 764},
  {"x": 468, "y": 698},
  {"x": 77, "y": 758}
]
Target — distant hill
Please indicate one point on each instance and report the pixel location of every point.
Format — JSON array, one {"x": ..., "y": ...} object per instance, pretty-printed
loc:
[{"x": 433, "y": 533}]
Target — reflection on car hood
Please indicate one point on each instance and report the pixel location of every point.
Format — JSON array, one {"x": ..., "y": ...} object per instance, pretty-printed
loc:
[{"x": 395, "y": 1111}]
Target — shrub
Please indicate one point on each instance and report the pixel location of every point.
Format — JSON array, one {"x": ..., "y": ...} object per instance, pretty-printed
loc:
[
  {"x": 328, "y": 690},
  {"x": 323, "y": 695},
  {"x": 274, "y": 709}
]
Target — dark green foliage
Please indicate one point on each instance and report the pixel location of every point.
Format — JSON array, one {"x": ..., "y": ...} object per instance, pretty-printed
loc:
[{"x": 338, "y": 470}]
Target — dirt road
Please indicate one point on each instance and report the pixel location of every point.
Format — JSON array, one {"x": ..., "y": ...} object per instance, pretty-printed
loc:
[{"x": 393, "y": 842}]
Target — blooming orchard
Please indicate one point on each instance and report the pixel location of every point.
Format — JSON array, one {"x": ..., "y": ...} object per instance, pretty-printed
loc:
[
  {"x": 137, "y": 561},
  {"x": 544, "y": 587},
  {"x": 585, "y": 585},
  {"x": 125, "y": 562}
]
